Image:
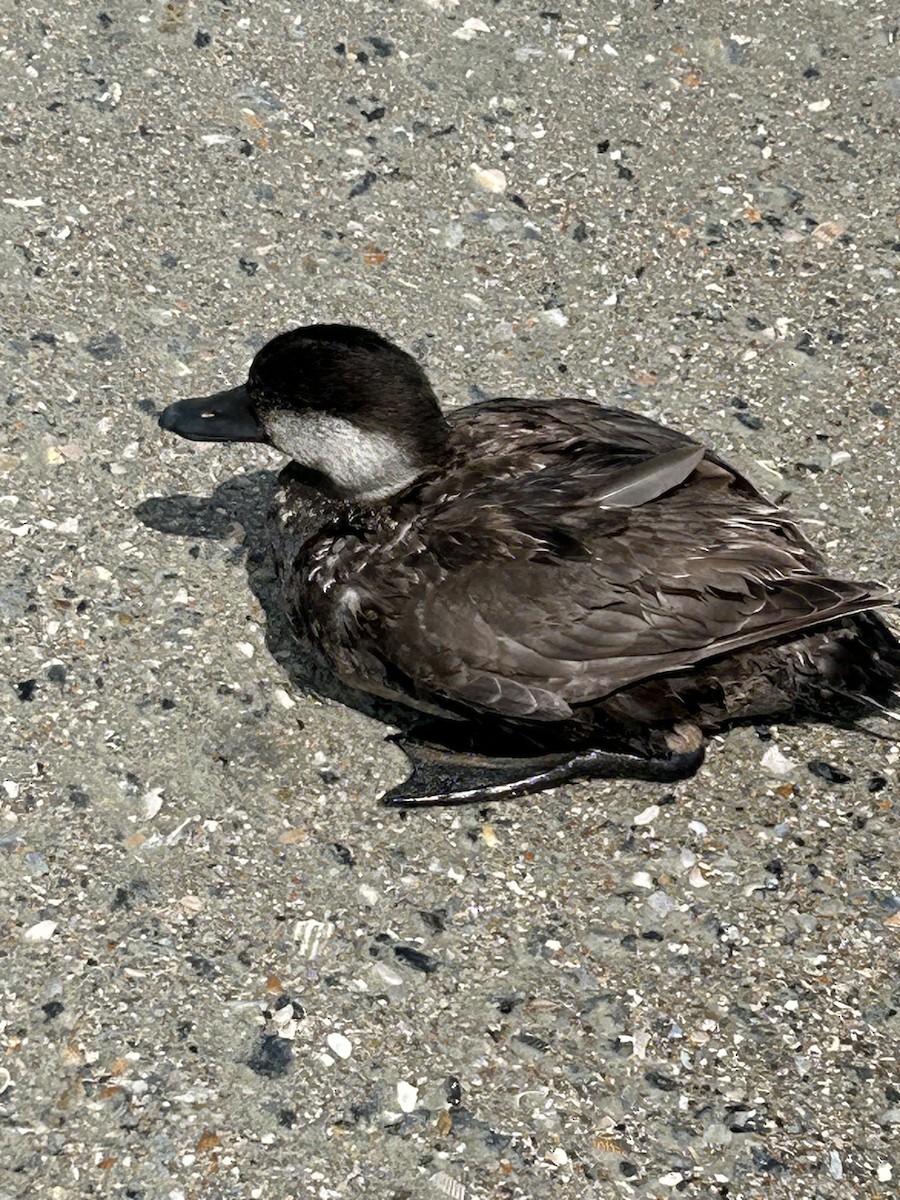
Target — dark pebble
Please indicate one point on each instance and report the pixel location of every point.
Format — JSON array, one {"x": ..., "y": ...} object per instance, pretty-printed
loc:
[
  {"x": 750, "y": 421},
  {"x": 271, "y": 1058},
  {"x": 382, "y": 47},
  {"x": 248, "y": 266},
  {"x": 362, "y": 185},
  {"x": 579, "y": 232},
  {"x": 57, "y": 673},
  {"x": 879, "y": 409},
  {"x": 342, "y": 853},
  {"x": 433, "y": 919},
  {"x": 416, "y": 959},
  {"x": 877, "y": 783},
  {"x": 663, "y": 1082},
  {"x": 533, "y": 1041},
  {"x": 453, "y": 1091},
  {"x": 827, "y": 771},
  {"x": 376, "y": 114},
  {"x": 603, "y": 146},
  {"x": 105, "y": 347},
  {"x": 805, "y": 344},
  {"x": 52, "y": 1009},
  {"x": 735, "y": 53},
  {"x": 26, "y": 688},
  {"x": 202, "y": 39}
]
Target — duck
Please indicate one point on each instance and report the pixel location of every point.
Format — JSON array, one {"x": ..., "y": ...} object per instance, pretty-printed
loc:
[{"x": 553, "y": 589}]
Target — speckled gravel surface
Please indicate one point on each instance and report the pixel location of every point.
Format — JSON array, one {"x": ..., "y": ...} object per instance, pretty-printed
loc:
[{"x": 226, "y": 972}]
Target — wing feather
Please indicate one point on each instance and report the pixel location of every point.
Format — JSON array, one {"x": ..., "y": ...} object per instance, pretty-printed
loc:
[{"x": 600, "y": 551}]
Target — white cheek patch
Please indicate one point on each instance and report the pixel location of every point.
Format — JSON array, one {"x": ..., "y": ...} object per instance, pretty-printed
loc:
[{"x": 363, "y": 464}]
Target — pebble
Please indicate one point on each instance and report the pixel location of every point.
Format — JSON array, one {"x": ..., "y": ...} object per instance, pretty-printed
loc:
[
  {"x": 671, "y": 1180},
  {"x": 827, "y": 771},
  {"x": 661, "y": 903},
  {"x": 491, "y": 179},
  {"x": 407, "y": 1096},
  {"x": 339, "y": 1045}
]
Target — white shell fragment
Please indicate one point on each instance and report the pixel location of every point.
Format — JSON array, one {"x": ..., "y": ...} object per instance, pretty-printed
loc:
[
  {"x": 407, "y": 1096},
  {"x": 43, "y": 931},
  {"x": 311, "y": 935},
  {"x": 776, "y": 763},
  {"x": 469, "y": 29},
  {"x": 153, "y": 802},
  {"x": 648, "y": 816},
  {"x": 449, "y": 1186},
  {"x": 339, "y": 1045},
  {"x": 489, "y": 178}
]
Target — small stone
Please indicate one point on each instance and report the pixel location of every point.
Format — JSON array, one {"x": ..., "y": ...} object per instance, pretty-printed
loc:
[
  {"x": 339, "y": 1045},
  {"x": 416, "y": 959},
  {"x": 489, "y": 178},
  {"x": 661, "y": 903},
  {"x": 106, "y": 347},
  {"x": 828, "y": 772},
  {"x": 671, "y": 1180},
  {"x": 407, "y": 1096}
]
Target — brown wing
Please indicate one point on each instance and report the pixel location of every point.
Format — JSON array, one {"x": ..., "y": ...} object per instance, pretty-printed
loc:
[{"x": 605, "y": 551}]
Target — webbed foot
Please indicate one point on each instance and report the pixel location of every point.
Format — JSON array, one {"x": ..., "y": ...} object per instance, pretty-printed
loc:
[{"x": 447, "y": 779}]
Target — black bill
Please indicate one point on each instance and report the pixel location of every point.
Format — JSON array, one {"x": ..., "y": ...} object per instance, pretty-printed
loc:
[{"x": 224, "y": 417}]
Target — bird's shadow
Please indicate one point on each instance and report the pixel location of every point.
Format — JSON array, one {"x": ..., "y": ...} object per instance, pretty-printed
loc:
[{"x": 247, "y": 501}]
